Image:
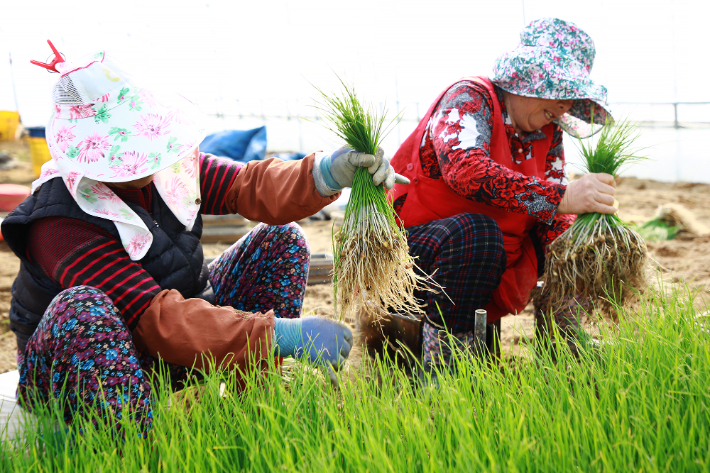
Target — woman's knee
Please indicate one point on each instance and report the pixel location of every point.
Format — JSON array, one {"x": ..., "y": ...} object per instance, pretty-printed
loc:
[
  {"x": 480, "y": 230},
  {"x": 291, "y": 233},
  {"x": 294, "y": 232},
  {"x": 475, "y": 240},
  {"x": 85, "y": 302},
  {"x": 77, "y": 318},
  {"x": 468, "y": 223},
  {"x": 77, "y": 293},
  {"x": 292, "y": 237}
]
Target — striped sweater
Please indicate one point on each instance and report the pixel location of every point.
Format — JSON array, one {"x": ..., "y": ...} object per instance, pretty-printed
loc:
[{"x": 88, "y": 255}]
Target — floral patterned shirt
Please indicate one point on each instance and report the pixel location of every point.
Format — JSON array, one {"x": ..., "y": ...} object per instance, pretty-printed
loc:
[{"x": 456, "y": 148}]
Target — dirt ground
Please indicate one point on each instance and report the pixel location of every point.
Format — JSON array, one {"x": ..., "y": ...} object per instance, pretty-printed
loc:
[{"x": 684, "y": 259}]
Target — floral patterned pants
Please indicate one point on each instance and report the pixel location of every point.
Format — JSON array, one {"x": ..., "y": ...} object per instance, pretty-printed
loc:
[{"x": 83, "y": 355}]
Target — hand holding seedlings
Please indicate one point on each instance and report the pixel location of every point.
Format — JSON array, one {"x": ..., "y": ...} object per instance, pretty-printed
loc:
[
  {"x": 593, "y": 192},
  {"x": 373, "y": 268},
  {"x": 598, "y": 256},
  {"x": 344, "y": 162}
]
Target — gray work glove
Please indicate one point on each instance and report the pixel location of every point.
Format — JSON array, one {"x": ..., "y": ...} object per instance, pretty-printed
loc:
[{"x": 334, "y": 171}]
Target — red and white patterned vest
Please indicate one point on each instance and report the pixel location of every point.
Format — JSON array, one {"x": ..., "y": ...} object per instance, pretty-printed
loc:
[{"x": 432, "y": 199}]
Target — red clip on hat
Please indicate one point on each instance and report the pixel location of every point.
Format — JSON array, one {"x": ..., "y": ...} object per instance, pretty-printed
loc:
[{"x": 52, "y": 65}]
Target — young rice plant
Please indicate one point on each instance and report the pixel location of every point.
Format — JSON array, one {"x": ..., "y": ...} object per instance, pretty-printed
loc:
[
  {"x": 638, "y": 402},
  {"x": 599, "y": 256},
  {"x": 372, "y": 265}
]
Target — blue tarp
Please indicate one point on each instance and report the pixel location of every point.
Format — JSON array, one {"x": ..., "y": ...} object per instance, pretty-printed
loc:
[
  {"x": 36, "y": 132},
  {"x": 242, "y": 145},
  {"x": 239, "y": 145}
]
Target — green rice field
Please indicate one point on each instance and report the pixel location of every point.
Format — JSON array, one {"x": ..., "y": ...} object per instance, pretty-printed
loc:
[{"x": 639, "y": 401}]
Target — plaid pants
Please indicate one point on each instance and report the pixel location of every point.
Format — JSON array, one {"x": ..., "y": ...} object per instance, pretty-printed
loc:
[{"x": 466, "y": 256}]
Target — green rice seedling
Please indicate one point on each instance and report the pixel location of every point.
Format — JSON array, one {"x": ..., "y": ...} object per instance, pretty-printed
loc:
[
  {"x": 599, "y": 256},
  {"x": 657, "y": 229},
  {"x": 636, "y": 402},
  {"x": 372, "y": 265}
]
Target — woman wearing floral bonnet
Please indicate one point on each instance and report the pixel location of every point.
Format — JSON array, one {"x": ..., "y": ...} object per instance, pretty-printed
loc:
[
  {"x": 112, "y": 272},
  {"x": 489, "y": 191}
]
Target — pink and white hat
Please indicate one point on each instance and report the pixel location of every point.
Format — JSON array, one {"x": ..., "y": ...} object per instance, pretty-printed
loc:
[{"x": 105, "y": 128}]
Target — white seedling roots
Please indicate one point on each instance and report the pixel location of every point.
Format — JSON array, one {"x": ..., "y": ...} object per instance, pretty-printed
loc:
[
  {"x": 373, "y": 267},
  {"x": 604, "y": 261}
]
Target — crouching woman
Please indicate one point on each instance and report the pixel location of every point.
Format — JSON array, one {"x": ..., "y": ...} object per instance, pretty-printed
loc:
[{"x": 112, "y": 274}]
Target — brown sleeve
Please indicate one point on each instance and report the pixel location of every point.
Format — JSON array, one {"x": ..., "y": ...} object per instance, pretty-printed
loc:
[
  {"x": 193, "y": 332},
  {"x": 276, "y": 192}
]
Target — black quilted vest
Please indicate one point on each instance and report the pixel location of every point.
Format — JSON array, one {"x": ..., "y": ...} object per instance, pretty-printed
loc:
[{"x": 175, "y": 259}]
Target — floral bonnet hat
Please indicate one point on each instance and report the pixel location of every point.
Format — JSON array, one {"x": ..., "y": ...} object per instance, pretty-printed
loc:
[
  {"x": 553, "y": 61},
  {"x": 104, "y": 128}
]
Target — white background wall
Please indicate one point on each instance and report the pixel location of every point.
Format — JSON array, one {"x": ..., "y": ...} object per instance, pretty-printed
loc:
[{"x": 238, "y": 57}]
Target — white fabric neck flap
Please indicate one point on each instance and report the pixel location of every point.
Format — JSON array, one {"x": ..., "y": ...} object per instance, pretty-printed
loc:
[
  {"x": 104, "y": 129},
  {"x": 178, "y": 185}
]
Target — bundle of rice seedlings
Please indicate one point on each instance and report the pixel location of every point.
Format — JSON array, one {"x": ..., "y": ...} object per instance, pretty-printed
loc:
[
  {"x": 657, "y": 229},
  {"x": 599, "y": 256},
  {"x": 672, "y": 220},
  {"x": 372, "y": 266}
]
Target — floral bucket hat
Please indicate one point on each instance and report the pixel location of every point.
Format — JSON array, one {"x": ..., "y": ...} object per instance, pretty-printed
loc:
[
  {"x": 106, "y": 129},
  {"x": 553, "y": 61}
]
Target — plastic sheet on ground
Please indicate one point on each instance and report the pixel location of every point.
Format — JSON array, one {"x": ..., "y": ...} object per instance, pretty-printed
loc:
[
  {"x": 10, "y": 412},
  {"x": 243, "y": 146},
  {"x": 239, "y": 145}
]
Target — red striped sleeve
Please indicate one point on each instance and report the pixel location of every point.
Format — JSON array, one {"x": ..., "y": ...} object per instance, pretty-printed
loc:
[
  {"x": 73, "y": 261},
  {"x": 110, "y": 277},
  {"x": 216, "y": 177},
  {"x": 136, "y": 296},
  {"x": 94, "y": 250},
  {"x": 133, "y": 319},
  {"x": 206, "y": 167},
  {"x": 124, "y": 281},
  {"x": 91, "y": 265}
]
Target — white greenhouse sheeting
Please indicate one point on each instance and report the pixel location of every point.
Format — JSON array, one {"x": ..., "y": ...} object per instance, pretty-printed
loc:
[{"x": 10, "y": 412}]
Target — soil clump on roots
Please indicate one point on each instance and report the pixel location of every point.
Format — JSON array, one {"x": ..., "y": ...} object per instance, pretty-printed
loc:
[{"x": 607, "y": 264}]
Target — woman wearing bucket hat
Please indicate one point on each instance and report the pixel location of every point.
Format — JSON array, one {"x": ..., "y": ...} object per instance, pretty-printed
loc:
[
  {"x": 489, "y": 190},
  {"x": 112, "y": 273}
]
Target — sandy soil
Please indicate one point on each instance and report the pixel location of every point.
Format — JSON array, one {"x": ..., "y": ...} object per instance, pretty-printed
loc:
[{"x": 685, "y": 259}]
